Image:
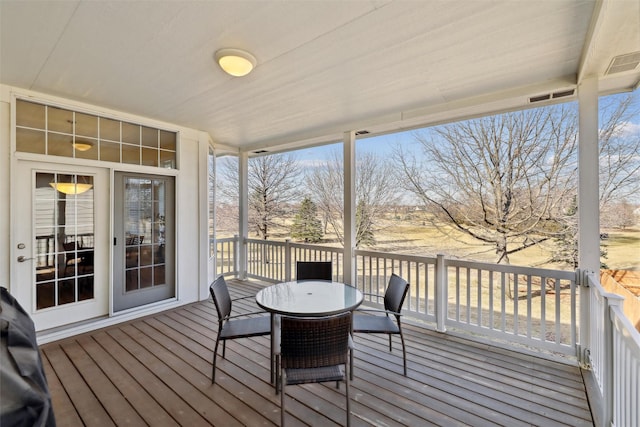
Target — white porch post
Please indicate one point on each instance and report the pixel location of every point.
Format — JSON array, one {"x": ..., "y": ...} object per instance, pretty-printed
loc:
[
  {"x": 243, "y": 214},
  {"x": 588, "y": 198},
  {"x": 348, "y": 267}
]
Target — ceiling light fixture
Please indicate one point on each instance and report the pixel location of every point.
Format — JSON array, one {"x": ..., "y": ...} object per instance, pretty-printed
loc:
[
  {"x": 70, "y": 187},
  {"x": 73, "y": 187},
  {"x": 235, "y": 62},
  {"x": 82, "y": 145}
]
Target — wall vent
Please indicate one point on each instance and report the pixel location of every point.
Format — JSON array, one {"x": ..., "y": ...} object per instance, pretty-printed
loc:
[
  {"x": 623, "y": 63},
  {"x": 554, "y": 95},
  {"x": 563, "y": 93},
  {"x": 540, "y": 98}
]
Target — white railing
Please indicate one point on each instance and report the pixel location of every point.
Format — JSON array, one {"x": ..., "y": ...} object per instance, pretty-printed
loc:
[
  {"x": 373, "y": 270},
  {"x": 227, "y": 256},
  {"x": 614, "y": 356},
  {"x": 530, "y": 306},
  {"x": 275, "y": 261}
]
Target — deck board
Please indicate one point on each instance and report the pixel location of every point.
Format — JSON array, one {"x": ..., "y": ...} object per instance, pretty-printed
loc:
[{"x": 157, "y": 371}]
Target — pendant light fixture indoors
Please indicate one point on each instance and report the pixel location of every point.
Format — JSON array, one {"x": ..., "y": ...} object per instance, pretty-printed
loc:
[
  {"x": 235, "y": 62},
  {"x": 73, "y": 187},
  {"x": 82, "y": 145}
]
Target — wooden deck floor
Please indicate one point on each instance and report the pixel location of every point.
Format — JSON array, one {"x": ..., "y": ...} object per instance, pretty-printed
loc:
[{"x": 157, "y": 371}]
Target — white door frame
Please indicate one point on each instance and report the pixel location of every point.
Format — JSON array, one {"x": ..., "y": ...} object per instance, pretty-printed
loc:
[{"x": 23, "y": 239}]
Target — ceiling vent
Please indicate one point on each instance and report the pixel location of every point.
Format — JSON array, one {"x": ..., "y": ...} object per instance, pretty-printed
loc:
[
  {"x": 540, "y": 98},
  {"x": 623, "y": 63},
  {"x": 362, "y": 132},
  {"x": 554, "y": 95},
  {"x": 563, "y": 93}
]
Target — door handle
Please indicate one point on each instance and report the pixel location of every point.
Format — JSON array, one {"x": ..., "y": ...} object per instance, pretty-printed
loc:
[{"x": 21, "y": 258}]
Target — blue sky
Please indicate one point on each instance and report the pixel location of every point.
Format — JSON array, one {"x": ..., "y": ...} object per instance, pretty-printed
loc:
[{"x": 384, "y": 144}]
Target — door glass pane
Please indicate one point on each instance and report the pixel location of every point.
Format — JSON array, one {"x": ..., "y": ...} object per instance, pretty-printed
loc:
[
  {"x": 145, "y": 210},
  {"x": 64, "y": 238}
]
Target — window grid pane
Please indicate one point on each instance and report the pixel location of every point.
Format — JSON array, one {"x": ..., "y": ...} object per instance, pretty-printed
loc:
[
  {"x": 54, "y": 131},
  {"x": 64, "y": 224}
]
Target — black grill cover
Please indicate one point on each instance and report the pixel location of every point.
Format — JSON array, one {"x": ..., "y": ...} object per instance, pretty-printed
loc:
[{"x": 24, "y": 394}]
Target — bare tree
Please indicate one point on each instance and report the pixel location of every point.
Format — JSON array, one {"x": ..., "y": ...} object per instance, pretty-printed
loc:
[
  {"x": 510, "y": 180},
  {"x": 376, "y": 190},
  {"x": 272, "y": 185},
  {"x": 502, "y": 180},
  {"x": 619, "y": 148}
]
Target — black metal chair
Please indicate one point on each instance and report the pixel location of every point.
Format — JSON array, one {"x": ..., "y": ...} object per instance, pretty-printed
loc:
[
  {"x": 372, "y": 321},
  {"x": 313, "y": 350},
  {"x": 232, "y": 327},
  {"x": 314, "y": 270}
]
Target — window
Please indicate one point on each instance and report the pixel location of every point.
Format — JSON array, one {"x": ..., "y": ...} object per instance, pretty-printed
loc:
[{"x": 54, "y": 131}]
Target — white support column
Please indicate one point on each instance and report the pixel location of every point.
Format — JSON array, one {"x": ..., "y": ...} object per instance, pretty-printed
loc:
[
  {"x": 588, "y": 197},
  {"x": 349, "y": 163},
  {"x": 243, "y": 214}
]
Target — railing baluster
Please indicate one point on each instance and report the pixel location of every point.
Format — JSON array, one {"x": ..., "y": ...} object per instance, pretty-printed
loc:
[{"x": 480, "y": 313}]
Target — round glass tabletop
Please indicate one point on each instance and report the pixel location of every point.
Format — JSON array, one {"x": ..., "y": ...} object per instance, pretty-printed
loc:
[{"x": 309, "y": 298}]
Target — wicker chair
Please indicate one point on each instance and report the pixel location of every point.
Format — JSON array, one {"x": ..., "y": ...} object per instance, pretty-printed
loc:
[
  {"x": 314, "y": 270},
  {"x": 313, "y": 350},
  {"x": 232, "y": 327},
  {"x": 372, "y": 321}
]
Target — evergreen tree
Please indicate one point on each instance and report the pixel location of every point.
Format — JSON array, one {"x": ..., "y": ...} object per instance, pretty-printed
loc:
[{"x": 306, "y": 225}]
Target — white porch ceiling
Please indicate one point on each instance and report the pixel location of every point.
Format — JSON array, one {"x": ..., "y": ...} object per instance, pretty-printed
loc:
[{"x": 324, "y": 67}]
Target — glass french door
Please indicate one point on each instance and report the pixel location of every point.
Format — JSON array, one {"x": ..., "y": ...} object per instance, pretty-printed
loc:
[
  {"x": 60, "y": 231},
  {"x": 143, "y": 240}
]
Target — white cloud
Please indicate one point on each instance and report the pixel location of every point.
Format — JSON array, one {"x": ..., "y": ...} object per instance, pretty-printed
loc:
[{"x": 628, "y": 129}]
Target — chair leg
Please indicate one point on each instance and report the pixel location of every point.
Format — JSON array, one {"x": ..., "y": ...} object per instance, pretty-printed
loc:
[
  {"x": 215, "y": 355},
  {"x": 351, "y": 365},
  {"x": 278, "y": 379},
  {"x": 282, "y": 382},
  {"x": 390, "y": 346},
  {"x": 404, "y": 353},
  {"x": 346, "y": 387}
]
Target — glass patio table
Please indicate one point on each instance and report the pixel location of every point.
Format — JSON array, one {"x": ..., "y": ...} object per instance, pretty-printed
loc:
[{"x": 309, "y": 298}]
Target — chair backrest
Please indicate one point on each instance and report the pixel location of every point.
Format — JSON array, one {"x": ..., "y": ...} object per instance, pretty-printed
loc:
[
  {"x": 221, "y": 298},
  {"x": 314, "y": 270},
  {"x": 395, "y": 294},
  {"x": 313, "y": 342},
  {"x": 69, "y": 246}
]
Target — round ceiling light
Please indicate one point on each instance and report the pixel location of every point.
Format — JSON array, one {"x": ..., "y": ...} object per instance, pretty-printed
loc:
[{"x": 235, "y": 62}]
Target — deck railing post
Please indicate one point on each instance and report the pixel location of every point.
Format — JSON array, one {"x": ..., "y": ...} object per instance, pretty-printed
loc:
[
  {"x": 441, "y": 293},
  {"x": 241, "y": 271},
  {"x": 287, "y": 260},
  {"x": 611, "y": 300}
]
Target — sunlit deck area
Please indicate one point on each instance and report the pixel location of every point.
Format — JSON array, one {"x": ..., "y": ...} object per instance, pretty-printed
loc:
[{"x": 157, "y": 371}]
